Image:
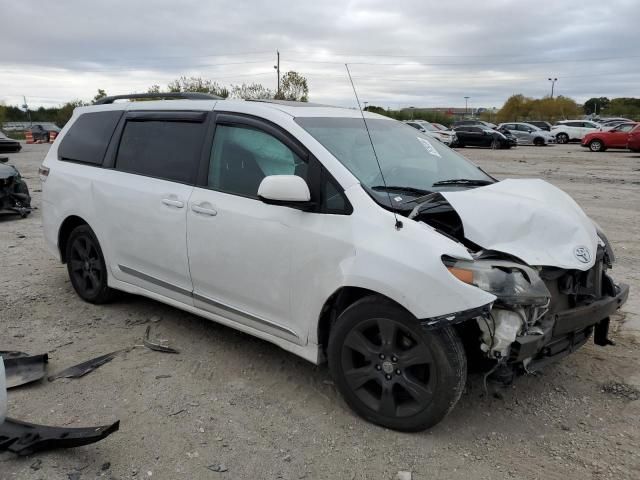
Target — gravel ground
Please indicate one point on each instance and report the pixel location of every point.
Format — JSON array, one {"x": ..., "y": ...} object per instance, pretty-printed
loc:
[{"x": 230, "y": 399}]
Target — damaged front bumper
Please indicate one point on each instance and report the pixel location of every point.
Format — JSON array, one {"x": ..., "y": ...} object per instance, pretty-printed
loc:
[
  {"x": 568, "y": 330},
  {"x": 539, "y": 314}
]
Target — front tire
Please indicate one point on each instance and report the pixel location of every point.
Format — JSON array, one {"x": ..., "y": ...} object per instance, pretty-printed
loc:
[
  {"x": 390, "y": 370},
  {"x": 562, "y": 138},
  {"x": 596, "y": 146},
  {"x": 538, "y": 142},
  {"x": 495, "y": 144},
  {"x": 86, "y": 266}
]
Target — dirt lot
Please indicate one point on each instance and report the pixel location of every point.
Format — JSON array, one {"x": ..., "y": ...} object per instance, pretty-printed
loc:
[{"x": 230, "y": 399}]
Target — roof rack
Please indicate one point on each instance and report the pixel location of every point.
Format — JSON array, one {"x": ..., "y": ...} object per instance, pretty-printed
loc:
[{"x": 183, "y": 95}]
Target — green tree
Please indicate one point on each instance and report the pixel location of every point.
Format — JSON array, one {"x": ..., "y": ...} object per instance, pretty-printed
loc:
[
  {"x": 253, "y": 91},
  {"x": 101, "y": 94},
  {"x": 293, "y": 86},
  {"x": 595, "y": 105},
  {"x": 66, "y": 111},
  {"x": 197, "y": 84},
  {"x": 519, "y": 108}
]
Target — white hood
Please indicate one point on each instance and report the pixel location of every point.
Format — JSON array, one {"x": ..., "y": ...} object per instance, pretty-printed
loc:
[{"x": 529, "y": 219}]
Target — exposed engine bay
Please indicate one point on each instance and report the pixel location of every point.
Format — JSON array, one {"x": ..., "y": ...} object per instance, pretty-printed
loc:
[
  {"x": 541, "y": 313},
  {"x": 14, "y": 193}
]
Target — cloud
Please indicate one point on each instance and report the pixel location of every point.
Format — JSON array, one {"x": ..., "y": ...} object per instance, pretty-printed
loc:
[{"x": 412, "y": 52}]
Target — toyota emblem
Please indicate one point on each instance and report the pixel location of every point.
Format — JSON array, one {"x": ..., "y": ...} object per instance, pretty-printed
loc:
[{"x": 582, "y": 254}]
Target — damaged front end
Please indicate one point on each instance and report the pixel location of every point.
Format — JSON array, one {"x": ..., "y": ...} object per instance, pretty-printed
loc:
[
  {"x": 14, "y": 193},
  {"x": 541, "y": 313}
]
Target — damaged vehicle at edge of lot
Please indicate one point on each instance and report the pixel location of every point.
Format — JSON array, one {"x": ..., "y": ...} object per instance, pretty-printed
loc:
[
  {"x": 339, "y": 235},
  {"x": 14, "y": 193}
]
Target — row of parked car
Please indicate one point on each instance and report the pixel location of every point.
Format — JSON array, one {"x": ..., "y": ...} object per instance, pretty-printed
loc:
[{"x": 597, "y": 136}]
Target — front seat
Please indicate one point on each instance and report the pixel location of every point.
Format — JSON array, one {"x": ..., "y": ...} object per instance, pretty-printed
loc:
[{"x": 240, "y": 173}]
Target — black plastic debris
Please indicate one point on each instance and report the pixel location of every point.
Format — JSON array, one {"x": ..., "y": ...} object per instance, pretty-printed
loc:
[
  {"x": 22, "y": 368},
  {"x": 24, "y": 438},
  {"x": 158, "y": 347},
  {"x": 83, "y": 368}
]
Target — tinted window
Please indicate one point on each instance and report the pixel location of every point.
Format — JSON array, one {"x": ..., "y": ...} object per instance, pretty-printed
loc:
[
  {"x": 241, "y": 157},
  {"x": 88, "y": 138},
  {"x": 163, "y": 149},
  {"x": 574, "y": 124}
]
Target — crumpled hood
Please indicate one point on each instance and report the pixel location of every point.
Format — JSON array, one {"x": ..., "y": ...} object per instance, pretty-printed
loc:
[{"x": 529, "y": 219}]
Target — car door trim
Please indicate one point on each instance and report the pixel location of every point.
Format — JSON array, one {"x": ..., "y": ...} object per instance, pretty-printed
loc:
[
  {"x": 245, "y": 315},
  {"x": 208, "y": 301},
  {"x": 155, "y": 281}
]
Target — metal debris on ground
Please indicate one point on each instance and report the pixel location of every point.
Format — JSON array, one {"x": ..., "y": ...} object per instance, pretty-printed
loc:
[
  {"x": 83, "y": 368},
  {"x": 22, "y": 368},
  {"x": 24, "y": 438},
  {"x": 158, "y": 347}
]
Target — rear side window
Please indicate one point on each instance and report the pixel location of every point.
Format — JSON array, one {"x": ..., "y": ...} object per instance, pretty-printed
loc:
[
  {"x": 169, "y": 150},
  {"x": 88, "y": 138}
]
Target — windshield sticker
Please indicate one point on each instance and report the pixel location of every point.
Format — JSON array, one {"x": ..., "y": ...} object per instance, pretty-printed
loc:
[{"x": 427, "y": 145}]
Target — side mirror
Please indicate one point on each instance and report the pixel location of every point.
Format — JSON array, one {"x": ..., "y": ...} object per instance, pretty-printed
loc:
[{"x": 286, "y": 190}]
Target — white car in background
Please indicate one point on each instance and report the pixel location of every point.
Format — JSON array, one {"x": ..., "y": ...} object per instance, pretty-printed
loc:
[
  {"x": 527, "y": 134},
  {"x": 448, "y": 137},
  {"x": 567, "y": 130}
]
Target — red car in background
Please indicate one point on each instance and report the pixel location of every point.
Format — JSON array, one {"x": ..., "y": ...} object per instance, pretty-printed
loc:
[
  {"x": 615, "y": 138},
  {"x": 633, "y": 142}
]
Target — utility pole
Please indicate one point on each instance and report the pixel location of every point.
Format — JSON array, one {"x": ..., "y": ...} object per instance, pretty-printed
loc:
[
  {"x": 277, "y": 67},
  {"x": 466, "y": 105},
  {"x": 26, "y": 109},
  {"x": 553, "y": 82}
]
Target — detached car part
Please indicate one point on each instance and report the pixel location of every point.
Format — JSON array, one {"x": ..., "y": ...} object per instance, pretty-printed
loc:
[
  {"x": 21, "y": 368},
  {"x": 158, "y": 347},
  {"x": 14, "y": 193},
  {"x": 83, "y": 368},
  {"x": 24, "y": 438}
]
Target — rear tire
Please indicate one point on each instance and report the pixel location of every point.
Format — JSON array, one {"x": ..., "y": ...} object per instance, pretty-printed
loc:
[
  {"x": 390, "y": 370},
  {"x": 596, "y": 146},
  {"x": 86, "y": 266},
  {"x": 562, "y": 138}
]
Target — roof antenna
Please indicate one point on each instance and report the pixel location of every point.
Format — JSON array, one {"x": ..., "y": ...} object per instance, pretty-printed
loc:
[{"x": 398, "y": 224}]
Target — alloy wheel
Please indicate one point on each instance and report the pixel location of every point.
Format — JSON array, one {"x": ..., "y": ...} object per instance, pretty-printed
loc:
[
  {"x": 387, "y": 368},
  {"x": 85, "y": 265}
]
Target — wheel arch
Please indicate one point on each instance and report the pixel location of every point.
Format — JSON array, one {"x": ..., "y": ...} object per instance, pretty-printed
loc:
[
  {"x": 67, "y": 226},
  {"x": 337, "y": 303}
]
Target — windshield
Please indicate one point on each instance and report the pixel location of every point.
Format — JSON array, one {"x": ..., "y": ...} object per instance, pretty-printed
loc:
[
  {"x": 428, "y": 126},
  {"x": 408, "y": 158}
]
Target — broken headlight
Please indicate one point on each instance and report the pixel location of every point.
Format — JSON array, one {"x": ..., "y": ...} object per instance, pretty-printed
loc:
[{"x": 512, "y": 283}]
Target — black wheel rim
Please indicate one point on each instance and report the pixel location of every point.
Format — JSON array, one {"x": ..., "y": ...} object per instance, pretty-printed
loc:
[
  {"x": 85, "y": 265},
  {"x": 388, "y": 368}
]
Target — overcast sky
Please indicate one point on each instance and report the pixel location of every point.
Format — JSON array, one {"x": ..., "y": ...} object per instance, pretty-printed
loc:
[{"x": 421, "y": 53}]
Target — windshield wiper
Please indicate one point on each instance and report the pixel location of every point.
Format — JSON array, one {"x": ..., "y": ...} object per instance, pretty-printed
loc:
[
  {"x": 393, "y": 188},
  {"x": 462, "y": 181}
]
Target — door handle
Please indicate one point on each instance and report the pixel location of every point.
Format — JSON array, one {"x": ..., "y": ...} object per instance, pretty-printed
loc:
[
  {"x": 204, "y": 210},
  {"x": 173, "y": 203}
]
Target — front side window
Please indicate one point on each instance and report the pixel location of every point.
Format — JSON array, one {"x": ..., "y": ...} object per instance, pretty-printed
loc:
[
  {"x": 627, "y": 127},
  {"x": 242, "y": 156},
  {"x": 408, "y": 158},
  {"x": 169, "y": 150}
]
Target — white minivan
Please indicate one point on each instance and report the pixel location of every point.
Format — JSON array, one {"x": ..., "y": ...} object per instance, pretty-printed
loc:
[{"x": 337, "y": 234}]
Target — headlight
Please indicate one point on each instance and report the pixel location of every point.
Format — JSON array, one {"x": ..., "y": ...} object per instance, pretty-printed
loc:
[{"x": 512, "y": 283}]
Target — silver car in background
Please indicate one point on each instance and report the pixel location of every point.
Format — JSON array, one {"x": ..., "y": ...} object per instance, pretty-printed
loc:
[
  {"x": 528, "y": 134},
  {"x": 448, "y": 137}
]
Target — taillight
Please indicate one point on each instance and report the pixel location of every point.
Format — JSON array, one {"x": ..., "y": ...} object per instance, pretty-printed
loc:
[{"x": 43, "y": 172}]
